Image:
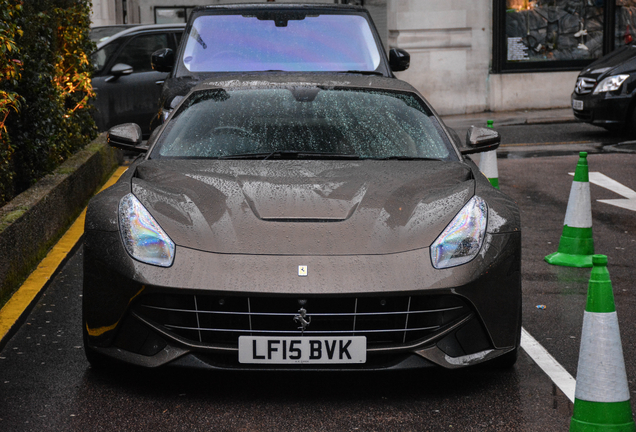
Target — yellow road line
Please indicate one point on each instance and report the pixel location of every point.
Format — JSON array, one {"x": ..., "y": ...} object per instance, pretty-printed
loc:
[{"x": 23, "y": 297}]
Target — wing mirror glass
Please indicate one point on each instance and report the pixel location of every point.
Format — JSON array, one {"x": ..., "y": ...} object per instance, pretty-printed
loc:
[
  {"x": 126, "y": 136},
  {"x": 162, "y": 60},
  {"x": 480, "y": 139},
  {"x": 399, "y": 60}
]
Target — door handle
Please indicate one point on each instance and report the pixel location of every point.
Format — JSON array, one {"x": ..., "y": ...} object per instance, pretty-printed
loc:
[{"x": 160, "y": 82}]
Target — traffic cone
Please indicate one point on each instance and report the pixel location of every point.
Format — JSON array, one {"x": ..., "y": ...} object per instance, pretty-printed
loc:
[
  {"x": 601, "y": 399},
  {"x": 488, "y": 163},
  {"x": 576, "y": 246}
]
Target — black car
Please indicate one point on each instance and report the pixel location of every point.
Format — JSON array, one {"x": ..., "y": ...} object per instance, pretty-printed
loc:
[
  {"x": 102, "y": 33},
  {"x": 302, "y": 221},
  {"x": 270, "y": 37},
  {"x": 127, "y": 88},
  {"x": 605, "y": 91}
]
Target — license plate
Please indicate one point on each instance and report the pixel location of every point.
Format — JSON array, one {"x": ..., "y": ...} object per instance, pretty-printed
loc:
[
  {"x": 577, "y": 104},
  {"x": 306, "y": 350}
]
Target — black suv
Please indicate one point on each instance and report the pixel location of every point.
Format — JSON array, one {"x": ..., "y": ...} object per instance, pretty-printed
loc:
[
  {"x": 271, "y": 37},
  {"x": 127, "y": 88},
  {"x": 605, "y": 92}
]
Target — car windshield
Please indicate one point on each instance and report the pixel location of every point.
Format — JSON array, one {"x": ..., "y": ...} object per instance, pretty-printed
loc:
[
  {"x": 282, "y": 42},
  {"x": 305, "y": 121}
]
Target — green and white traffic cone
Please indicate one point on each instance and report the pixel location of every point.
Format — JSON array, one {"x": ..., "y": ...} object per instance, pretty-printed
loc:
[
  {"x": 488, "y": 163},
  {"x": 576, "y": 246},
  {"x": 601, "y": 399}
]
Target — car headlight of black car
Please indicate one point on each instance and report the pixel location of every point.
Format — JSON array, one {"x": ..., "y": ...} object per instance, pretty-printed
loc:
[
  {"x": 462, "y": 239},
  {"x": 611, "y": 83},
  {"x": 143, "y": 238}
]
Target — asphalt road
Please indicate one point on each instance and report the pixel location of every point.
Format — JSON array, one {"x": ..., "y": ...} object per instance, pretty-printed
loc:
[
  {"x": 558, "y": 134},
  {"x": 46, "y": 384}
]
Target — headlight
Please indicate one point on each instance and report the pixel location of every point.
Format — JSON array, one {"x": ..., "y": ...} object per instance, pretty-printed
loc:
[
  {"x": 461, "y": 241},
  {"x": 142, "y": 236},
  {"x": 612, "y": 83}
]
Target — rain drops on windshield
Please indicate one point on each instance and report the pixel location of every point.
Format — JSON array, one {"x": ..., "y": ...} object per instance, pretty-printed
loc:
[{"x": 278, "y": 122}]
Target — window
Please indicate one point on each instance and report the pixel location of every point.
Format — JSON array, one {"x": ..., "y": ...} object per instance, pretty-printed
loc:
[
  {"x": 366, "y": 123},
  {"x": 282, "y": 41},
  {"x": 533, "y": 35},
  {"x": 625, "y": 22},
  {"x": 138, "y": 51},
  {"x": 172, "y": 15},
  {"x": 101, "y": 56}
]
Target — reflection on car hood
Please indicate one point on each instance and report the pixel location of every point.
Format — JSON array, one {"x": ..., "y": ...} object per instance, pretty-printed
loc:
[
  {"x": 619, "y": 61},
  {"x": 303, "y": 207}
]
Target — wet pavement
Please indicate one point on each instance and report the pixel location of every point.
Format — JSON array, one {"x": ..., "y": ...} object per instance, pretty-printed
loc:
[
  {"x": 46, "y": 383},
  {"x": 541, "y": 187}
]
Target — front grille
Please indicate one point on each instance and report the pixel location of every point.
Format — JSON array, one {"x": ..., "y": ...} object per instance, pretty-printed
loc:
[
  {"x": 584, "y": 85},
  {"x": 220, "y": 320}
]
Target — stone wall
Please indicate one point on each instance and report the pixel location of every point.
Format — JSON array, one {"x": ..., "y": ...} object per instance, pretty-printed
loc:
[
  {"x": 450, "y": 43},
  {"x": 33, "y": 221}
]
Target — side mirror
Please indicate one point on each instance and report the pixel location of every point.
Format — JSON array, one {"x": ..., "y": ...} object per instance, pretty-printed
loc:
[
  {"x": 162, "y": 60},
  {"x": 126, "y": 136},
  {"x": 399, "y": 60},
  {"x": 480, "y": 139},
  {"x": 118, "y": 70}
]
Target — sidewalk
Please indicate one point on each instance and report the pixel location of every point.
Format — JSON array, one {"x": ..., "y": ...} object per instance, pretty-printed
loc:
[
  {"x": 527, "y": 117},
  {"x": 506, "y": 118}
]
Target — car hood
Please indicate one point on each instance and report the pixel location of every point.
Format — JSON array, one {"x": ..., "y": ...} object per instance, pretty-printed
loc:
[
  {"x": 619, "y": 61},
  {"x": 305, "y": 207}
]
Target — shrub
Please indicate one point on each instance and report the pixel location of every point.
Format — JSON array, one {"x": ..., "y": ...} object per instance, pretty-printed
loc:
[
  {"x": 54, "y": 87},
  {"x": 9, "y": 76}
]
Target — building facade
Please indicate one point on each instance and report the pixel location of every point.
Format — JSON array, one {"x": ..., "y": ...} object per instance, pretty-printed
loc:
[
  {"x": 494, "y": 55},
  {"x": 466, "y": 55}
]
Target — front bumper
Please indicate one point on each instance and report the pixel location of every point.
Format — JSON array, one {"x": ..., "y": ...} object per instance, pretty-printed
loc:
[
  {"x": 474, "y": 310},
  {"x": 606, "y": 109}
]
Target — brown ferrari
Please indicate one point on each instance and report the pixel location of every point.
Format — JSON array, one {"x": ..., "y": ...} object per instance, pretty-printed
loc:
[{"x": 302, "y": 221}]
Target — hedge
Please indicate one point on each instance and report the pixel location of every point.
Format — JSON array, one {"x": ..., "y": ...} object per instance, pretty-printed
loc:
[{"x": 45, "y": 88}]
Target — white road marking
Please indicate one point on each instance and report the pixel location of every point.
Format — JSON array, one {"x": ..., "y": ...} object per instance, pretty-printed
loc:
[
  {"x": 550, "y": 366},
  {"x": 604, "y": 181}
]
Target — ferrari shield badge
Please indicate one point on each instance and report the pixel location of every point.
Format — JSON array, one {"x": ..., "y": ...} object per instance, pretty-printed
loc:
[{"x": 302, "y": 270}]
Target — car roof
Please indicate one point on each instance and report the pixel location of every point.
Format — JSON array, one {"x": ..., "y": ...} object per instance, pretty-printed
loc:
[
  {"x": 140, "y": 29},
  {"x": 265, "y": 6},
  {"x": 236, "y": 80}
]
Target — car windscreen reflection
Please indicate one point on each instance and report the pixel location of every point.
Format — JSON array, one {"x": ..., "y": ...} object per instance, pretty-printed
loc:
[{"x": 281, "y": 41}]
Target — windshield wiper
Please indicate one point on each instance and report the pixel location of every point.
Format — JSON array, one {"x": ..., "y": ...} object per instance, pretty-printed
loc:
[
  {"x": 297, "y": 154},
  {"x": 245, "y": 156},
  {"x": 365, "y": 72},
  {"x": 290, "y": 154},
  {"x": 407, "y": 158}
]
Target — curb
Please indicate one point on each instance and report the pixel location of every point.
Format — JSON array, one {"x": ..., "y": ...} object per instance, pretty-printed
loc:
[
  {"x": 514, "y": 118},
  {"x": 34, "y": 220},
  {"x": 623, "y": 147}
]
